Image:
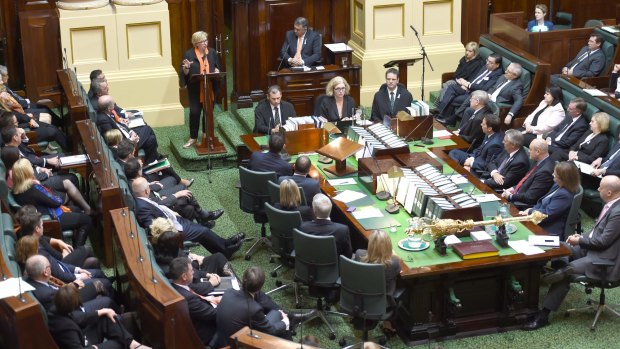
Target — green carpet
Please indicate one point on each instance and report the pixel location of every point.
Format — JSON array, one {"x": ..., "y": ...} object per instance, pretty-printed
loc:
[{"x": 571, "y": 332}]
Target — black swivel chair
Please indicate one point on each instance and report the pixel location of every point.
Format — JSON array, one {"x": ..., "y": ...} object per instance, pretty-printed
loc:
[
  {"x": 603, "y": 283},
  {"x": 316, "y": 265},
  {"x": 253, "y": 195},
  {"x": 281, "y": 224},
  {"x": 363, "y": 295},
  {"x": 573, "y": 222}
]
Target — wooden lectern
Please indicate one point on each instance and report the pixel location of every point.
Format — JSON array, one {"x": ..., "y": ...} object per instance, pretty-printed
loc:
[
  {"x": 402, "y": 68},
  {"x": 339, "y": 150},
  {"x": 209, "y": 143}
]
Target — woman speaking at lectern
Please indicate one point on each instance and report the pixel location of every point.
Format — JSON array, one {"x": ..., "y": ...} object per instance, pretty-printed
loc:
[{"x": 197, "y": 60}]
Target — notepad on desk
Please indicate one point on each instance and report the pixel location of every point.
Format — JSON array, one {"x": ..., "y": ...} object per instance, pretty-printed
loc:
[{"x": 73, "y": 160}]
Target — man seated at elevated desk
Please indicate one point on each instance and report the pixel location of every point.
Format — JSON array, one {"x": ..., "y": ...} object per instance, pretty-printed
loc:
[
  {"x": 391, "y": 98},
  {"x": 301, "y": 47},
  {"x": 272, "y": 112}
]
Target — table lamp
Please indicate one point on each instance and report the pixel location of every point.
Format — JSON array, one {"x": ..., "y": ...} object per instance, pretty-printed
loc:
[{"x": 395, "y": 173}]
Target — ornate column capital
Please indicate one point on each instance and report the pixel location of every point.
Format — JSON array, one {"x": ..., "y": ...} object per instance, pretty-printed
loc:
[{"x": 135, "y": 2}]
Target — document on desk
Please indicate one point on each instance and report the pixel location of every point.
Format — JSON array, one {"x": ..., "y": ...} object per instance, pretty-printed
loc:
[
  {"x": 342, "y": 181},
  {"x": 367, "y": 212},
  {"x": 349, "y": 195},
  {"x": 485, "y": 198},
  {"x": 523, "y": 246},
  {"x": 442, "y": 134},
  {"x": 11, "y": 287},
  {"x": 594, "y": 92}
]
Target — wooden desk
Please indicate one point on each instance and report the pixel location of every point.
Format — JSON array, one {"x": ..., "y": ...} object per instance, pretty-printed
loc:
[
  {"x": 240, "y": 339},
  {"x": 109, "y": 189},
  {"x": 163, "y": 311},
  {"x": 301, "y": 88},
  {"x": 488, "y": 303},
  {"x": 71, "y": 96}
]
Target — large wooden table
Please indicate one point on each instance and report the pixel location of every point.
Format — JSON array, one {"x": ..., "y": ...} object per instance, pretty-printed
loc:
[{"x": 487, "y": 301}]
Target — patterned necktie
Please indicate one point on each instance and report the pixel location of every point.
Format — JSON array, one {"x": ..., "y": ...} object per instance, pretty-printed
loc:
[
  {"x": 299, "y": 43},
  {"x": 276, "y": 116},
  {"x": 525, "y": 178},
  {"x": 392, "y": 102}
]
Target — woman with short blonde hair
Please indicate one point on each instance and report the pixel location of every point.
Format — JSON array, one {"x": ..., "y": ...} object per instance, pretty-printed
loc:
[
  {"x": 338, "y": 104},
  {"x": 290, "y": 200}
]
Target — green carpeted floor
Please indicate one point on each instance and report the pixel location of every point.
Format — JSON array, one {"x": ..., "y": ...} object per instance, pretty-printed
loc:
[{"x": 571, "y": 332}]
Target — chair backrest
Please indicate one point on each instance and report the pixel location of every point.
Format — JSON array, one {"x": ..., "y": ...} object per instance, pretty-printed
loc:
[
  {"x": 317, "y": 103},
  {"x": 254, "y": 190},
  {"x": 316, "y": 260},
  {"x": 362, "y": 289},
  {"x": 591, "y": 23},
  {"x": 573, "y": 215},
  {"x": 7, "y": 245},
  {"x": 274, "y": 192},
  {"x": 281, "y": 224}
]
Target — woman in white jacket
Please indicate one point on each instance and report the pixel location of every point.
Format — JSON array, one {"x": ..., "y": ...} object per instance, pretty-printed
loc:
[{"x": 545, "y": 118}]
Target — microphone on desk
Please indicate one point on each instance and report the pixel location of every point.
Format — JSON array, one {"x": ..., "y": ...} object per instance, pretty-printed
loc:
[
  {"x": 250, "y": 334},
  {"x": 424, "y": 140},
  {"x": 415, "y": 31},
  {"x": 282, "y": 59}
]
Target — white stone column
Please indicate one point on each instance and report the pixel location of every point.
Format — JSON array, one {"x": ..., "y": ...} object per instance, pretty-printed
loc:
[
  {"x": 131, "y": 44},
  {"x": 380, "y": 33},
  {"x": 81, "y": 4}
]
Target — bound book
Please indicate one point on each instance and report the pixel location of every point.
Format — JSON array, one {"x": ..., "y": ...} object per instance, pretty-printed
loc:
[
  {"x": 475, "y": 249},
  {"x": 156, "y": 166}
]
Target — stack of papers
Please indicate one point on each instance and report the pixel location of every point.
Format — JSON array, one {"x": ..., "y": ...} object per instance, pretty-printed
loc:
[
  {"x": 349, "y": 195},
  {"x": 522, "y": 246}
]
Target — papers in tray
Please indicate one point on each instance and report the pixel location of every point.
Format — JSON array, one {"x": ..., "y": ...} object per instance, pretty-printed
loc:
[
  {"x": 349, "y": 195},
  {"x": 11, "y": 287},
  {"x": 73, "y": 160},
  {"x": 485, "y": 198},
  {"x": 522, "y": 246},
  {"x": 611, "y": 29}
]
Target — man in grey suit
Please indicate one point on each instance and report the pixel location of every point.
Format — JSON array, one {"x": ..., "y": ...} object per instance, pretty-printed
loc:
[
  {"x": 601, "y": 244},
  {"x": 590, "y": 60}
]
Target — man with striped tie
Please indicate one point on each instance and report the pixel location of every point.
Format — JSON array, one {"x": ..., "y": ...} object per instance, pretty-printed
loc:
[{"x": 590, "y": 60}]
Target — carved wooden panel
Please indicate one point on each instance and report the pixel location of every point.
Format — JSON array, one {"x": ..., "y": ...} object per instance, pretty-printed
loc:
[
  {"x": 41, "y": 54},
  {"x": 259, "y": 28},
  {"x": 11, "y": 55},
  {"x": 474, "y": 20},
  {"x": 558, "y": 47}
]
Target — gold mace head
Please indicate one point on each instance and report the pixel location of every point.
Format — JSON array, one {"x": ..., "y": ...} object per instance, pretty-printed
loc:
[{"x": 537, "y": 217}]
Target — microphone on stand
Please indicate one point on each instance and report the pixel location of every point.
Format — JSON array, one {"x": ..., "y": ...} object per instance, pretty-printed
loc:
[
  {"x": 282, "y": 59},
  {"x": 424, "y": 139},
  {"x": 415, "y": 31}
]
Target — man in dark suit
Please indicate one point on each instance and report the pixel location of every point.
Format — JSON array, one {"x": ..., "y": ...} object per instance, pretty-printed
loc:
[
  {"x": 39, "y": 275},
  {"x": 537, "y": 181},
  {"x": 391, "y": 98},
  {"x": 271, "y": 113},
  {"x": 301, "y": 47},
  {"x": 470, "y": 129},
  {"x": 310, "y": 186},
  {"x": 455, "y": 94},
  {"x": 570, "y": 130},
  {"x": 590, "y": 60},
  {"x": 507, "y": 90},
  {"x": 271, "y": 160},
  {"x": 609, "y": 165},
  {"x": 143, "y": 136},
  {"x": 201, "y": 308},
  {"x": 323, "y": 226},
  {"x": 511, "y": 165},
  {"x": 147, "y": 210},
  {"x": 602, "y": 244},
  {"x": 253, "y": 308},
  {"x": 491, "y": 146}
]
